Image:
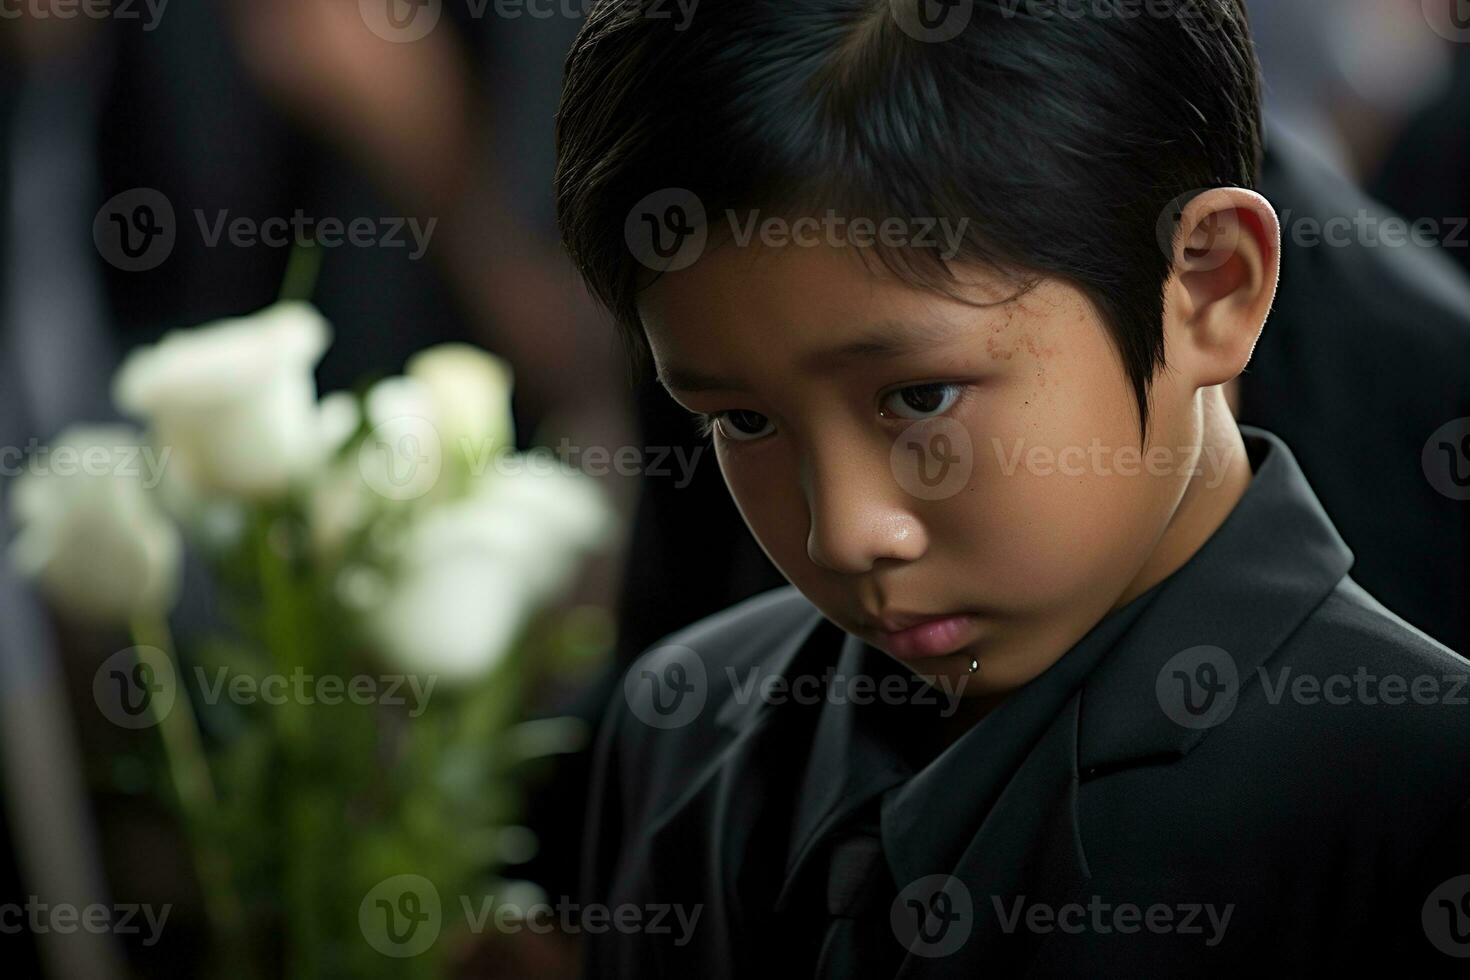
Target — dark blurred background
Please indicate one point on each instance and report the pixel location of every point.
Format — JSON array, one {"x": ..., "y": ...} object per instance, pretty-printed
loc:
[{"x": 265, "y": 108}]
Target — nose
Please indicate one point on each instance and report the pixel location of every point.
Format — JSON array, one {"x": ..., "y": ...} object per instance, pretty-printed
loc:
[{"x": 859, "y": 513}]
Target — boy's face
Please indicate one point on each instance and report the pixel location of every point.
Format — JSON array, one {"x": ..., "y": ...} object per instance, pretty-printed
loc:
[{"x": 982, "y": 466}]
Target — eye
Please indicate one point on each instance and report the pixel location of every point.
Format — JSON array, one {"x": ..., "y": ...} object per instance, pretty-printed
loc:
[
  {"x": 737, "y": 425},
  {"x": 922, "y": 401}
]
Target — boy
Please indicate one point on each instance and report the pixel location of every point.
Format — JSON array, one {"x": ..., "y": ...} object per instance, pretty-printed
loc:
[{"x": 1067, "y": 655}]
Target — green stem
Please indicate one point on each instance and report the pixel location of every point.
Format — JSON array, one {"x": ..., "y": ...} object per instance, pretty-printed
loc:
[
  {"x": 287, "y": 639},
  {"x": 302, "y": 268},
  {"x": 189, "y": 771}
]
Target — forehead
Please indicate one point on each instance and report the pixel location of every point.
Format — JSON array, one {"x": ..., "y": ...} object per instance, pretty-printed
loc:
[{"x": 792, "y": 305}]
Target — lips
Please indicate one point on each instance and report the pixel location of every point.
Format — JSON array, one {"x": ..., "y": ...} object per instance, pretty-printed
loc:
[
  {"x": 896, "y": 622},
  {"x": 909, "y": 637}
]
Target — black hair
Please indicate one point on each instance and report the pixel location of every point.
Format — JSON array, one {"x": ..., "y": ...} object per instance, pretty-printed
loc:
[{"x": 1062, "y": 129}]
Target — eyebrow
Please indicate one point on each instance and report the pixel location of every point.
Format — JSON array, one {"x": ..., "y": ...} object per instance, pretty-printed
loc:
[{"x": 888, "y": 338}]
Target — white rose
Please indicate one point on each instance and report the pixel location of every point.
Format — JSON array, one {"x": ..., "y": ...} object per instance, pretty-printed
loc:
[
  {"x": 455, "y": 617},
  {"x": 559, "y": 513},
  {"x": 471, "y": 572},
  {"x": 235, "y": 400},
  {"x": 89, "y": 533},
  {"x": 470, "y": 392},
  {"x": 402, "y": 456}
]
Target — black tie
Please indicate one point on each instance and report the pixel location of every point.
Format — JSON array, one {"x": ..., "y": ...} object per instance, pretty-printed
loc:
[{"x": 859, "y": 941}]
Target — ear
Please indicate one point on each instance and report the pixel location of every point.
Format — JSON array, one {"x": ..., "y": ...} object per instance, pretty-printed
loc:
[{"x": 1227, "y": 262}]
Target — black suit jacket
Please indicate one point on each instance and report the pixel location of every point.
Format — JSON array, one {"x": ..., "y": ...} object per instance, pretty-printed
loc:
[{"x": 1332, "y": 828}]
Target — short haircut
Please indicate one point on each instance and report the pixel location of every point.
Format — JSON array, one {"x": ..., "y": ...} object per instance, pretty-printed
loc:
[{"x": 1063, "y": 130}]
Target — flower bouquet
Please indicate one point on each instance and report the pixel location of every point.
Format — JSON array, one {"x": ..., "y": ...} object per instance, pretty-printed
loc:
[{"x": 346, "y": 743}]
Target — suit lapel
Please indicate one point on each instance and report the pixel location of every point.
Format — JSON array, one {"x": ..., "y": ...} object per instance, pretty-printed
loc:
[
  {"x": 1028, "y": 848},
  {"x": 722, "y": 840}
]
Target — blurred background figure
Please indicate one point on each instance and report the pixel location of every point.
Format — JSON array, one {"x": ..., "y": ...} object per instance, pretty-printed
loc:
[
  {"x": 55, "y": 351},
  {"x": 1344, "y": 76},
  {"x": 264, "y": 109},
  {"x": 1427, "y": 169}
]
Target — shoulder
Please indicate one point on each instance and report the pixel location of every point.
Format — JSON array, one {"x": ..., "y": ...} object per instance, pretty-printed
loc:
[
  {"x": 1386, "y": 680},
  {"x": 1341, "y": 769},
  {"x": 740, "y": 635},
  {"x": 1352, "y": 629},
  {"x": 1358, "y": 726},
  {"x": 1360, "y": 705}
]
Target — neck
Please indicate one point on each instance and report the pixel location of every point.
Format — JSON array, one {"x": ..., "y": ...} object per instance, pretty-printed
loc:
[{"x": 1222, "y": 472}]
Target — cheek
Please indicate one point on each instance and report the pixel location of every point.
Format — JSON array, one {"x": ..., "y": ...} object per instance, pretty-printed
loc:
[
  {"x": 1051, "y": 512},
  {"x": 1051, "y": 528},
  {"x": 766, "y": 494}
]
